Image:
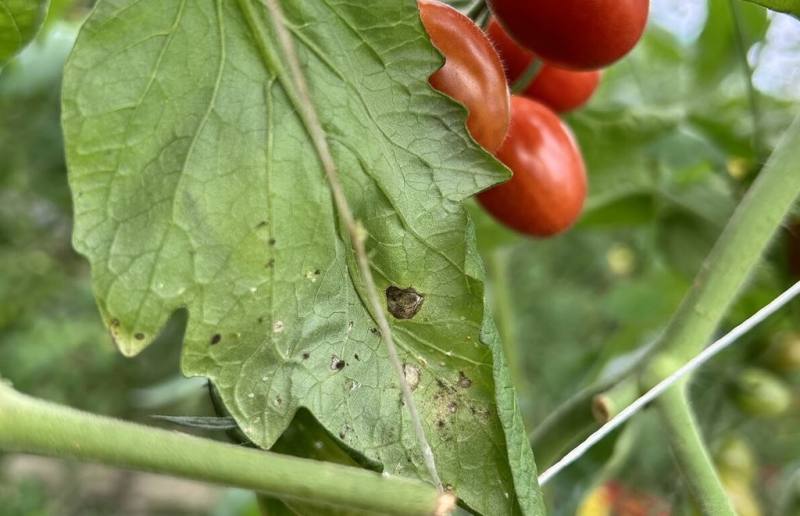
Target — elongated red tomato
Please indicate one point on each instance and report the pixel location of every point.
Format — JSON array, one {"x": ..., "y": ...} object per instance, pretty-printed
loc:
[
  {"x": 546, "y": 193},
  {"x": 579, "y": 34},
  {"x": 558, "y": 88},
  {"x": 472, "y": 73}
]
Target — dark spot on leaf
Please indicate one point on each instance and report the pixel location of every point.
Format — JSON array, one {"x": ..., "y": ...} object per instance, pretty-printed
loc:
[
  {"x": 342, "y": 434},
  {"x": 216, "y": 338},
  {"x": 463, "y": 380},
  {"x": 306, "y": 355},
  {"x": 261, "y": 224},
  {"x": 261, "y": 319},
  {"x": 114, "y": 323},
  {"x": 317, "y": 272},
  {"x": 139, "y": 336},
  {"x": 440, "y": 423},
  {"x": 270, "y": 263},
  {"x": 375, "y": 331},
  {"x": 337, "y": 364},
  {"x": 271, "y": 241},
  {"x": 278, "y": 400},
  {"x": 403, "y": 303},
  {"x": 356, "y": 356}
]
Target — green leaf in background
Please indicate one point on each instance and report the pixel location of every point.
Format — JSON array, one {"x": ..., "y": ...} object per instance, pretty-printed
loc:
[
  {"x": 195, "y": 186},
  {"x": 19, "y": 22},
  {"x": 784, "y": 6}
]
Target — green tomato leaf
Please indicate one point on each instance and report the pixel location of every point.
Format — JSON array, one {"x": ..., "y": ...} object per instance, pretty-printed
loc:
[
  {"x": 616, "y": 145},
  {"x": 783, "y": 6},
  {"x": 196, "y": 186},
  {"x": 19, "y": 22}
]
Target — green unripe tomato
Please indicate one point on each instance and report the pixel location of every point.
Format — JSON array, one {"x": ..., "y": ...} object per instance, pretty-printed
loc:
[
  {"x": 742, "y": 496},
  {"x": 761, "y": 393},
  {"x": 783, "y": 354},
  {"x": 734, "y": 458}
]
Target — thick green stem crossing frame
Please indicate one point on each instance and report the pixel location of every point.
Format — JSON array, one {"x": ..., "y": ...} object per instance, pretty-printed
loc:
[
  {"x": 34, "y": 426},
  {"x": 727, "y": 268}
]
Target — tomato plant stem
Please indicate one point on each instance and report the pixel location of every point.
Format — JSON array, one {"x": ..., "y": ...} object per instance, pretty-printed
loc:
[
  {"x": 357, "y": 232},
  {"x": 691, "y": 454},
  {"x": 29, "y": 425},
  {"x": 737, "y": 251},
  {"x": 734, "y": 256},
  {"x": 747, "y": 73},
  {"x": 527, "y": 77}
]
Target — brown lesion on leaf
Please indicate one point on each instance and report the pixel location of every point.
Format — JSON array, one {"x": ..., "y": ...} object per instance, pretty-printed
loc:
[
  {"x": 403, "y": 303},
  {"x": 337, "y": 364},
  {"x": 463, "y": 380}
]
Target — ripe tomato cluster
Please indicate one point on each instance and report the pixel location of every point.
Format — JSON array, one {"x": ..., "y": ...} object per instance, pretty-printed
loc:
[{"x": 564, "y": 42}]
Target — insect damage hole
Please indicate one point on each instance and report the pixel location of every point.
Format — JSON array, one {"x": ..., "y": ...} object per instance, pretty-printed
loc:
[{"x": 403, "y": 303}]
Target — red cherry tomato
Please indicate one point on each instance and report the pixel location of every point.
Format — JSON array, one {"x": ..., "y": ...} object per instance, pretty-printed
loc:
[
  {"x": 579, "y": 34},
  {"x": 558, "y": 88},
  {"x": 472, "y": 73},
  {"x": 546, "y": 193}
]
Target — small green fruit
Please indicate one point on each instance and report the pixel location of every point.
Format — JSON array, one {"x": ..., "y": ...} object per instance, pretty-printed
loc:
[{"x": 761, "y": 393}]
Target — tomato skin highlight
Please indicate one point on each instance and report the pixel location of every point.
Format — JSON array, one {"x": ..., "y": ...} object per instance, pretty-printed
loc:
[
  {"x": 559, "y": 89},
  {"x": 576, "y": 34},
  {"x": 547, "y": 190},
  {"x": 472, "y": 73}
]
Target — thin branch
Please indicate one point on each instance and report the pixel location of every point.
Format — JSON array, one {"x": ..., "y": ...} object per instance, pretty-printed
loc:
[
  {"x": 747, "y": 72},
  {"x": 356, "y": 230},
  {"x": 476, "y": 10},
  {"x": 691, "y": 454},
  {"x": 528, "y": 76},
  {"x": 29, "y": 425}
]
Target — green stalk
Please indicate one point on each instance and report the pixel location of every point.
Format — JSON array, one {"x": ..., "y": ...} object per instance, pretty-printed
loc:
[
  {"x": 527, "y": 77},
  {"x": 29, "y": 425},
  {"x": 734, "y": 256},
  {"x": 737, "y": 251},
  {"x": 692, "y": 456}
]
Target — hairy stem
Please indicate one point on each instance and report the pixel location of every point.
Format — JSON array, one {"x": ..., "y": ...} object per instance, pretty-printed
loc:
[
  {"x": 33, "y": 426},
  {"x": 691, "y": 454},
  {"x": 527, "y": 77},
  {"x": 735, "y": 254},
  {"x": 355, "y": 229},
  {"x": 737, "y": 251}
]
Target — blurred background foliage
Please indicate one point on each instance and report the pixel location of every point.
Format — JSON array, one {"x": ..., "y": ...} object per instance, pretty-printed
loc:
[{"x": 672, "y": 140}]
